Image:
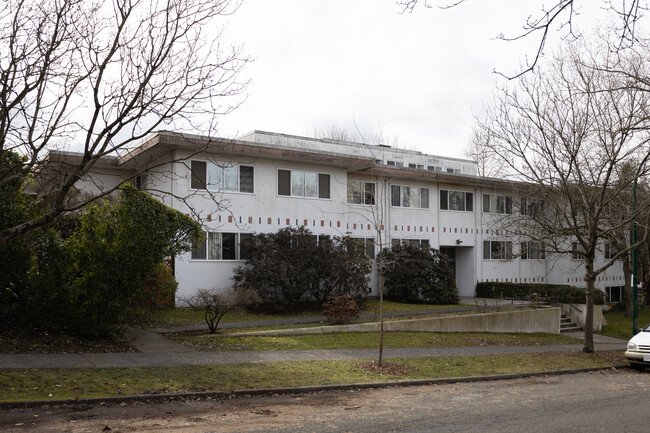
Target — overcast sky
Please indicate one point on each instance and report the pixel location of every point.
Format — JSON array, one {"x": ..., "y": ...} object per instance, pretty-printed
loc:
[{"x": 419, "y": 77}]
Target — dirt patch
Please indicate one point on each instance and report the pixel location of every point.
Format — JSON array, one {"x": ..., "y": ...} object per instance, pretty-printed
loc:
[{"x": 387, "y": 368}]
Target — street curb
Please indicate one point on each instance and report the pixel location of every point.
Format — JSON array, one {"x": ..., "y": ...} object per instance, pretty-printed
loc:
[{"x": 157, "y": 398}]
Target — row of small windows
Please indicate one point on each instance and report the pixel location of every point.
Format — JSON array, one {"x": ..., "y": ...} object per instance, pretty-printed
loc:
[
  {"x": 236, "y": 246},
  {"x": 421, "y": 166}
]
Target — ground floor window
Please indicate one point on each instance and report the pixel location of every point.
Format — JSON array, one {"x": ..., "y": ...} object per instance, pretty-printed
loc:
[
  {"x": 397, "y": 242},
  {"x": 369, "y": 246},
  {"x": 613, "y": 294},
  {"x": 223, "y": 246}
]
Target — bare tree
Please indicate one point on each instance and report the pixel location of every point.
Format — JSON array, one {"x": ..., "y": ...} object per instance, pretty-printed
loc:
[
  {"x": 562, "y": 134},
  {"x": 479, "y": 150},
  {"x": 559, "y": 14},
  {"x": 103, "y": 75}
]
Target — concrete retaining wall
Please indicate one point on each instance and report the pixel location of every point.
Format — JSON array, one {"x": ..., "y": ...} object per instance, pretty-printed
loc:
[
  {"x": 543, "y": 320},
  {"x": 578, "y": 314}
]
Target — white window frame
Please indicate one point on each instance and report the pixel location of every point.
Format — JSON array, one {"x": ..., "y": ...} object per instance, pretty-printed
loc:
[
  {"x": 294, "y": 175},
  {"x": 504, "y": 246},
  {"x": 465, "y": 201},
  {"x": 493, "y": 204},
  {"x": 402, "y": 201},
  {"x": 367, "y": 197},
  {"x": 222, "y": 167},
  {"x": 532, "y": 250},
  {"x": 214, "y": 253}
]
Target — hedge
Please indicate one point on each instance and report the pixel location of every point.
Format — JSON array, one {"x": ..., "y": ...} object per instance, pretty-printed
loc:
[{"x": 553, "y": 293}]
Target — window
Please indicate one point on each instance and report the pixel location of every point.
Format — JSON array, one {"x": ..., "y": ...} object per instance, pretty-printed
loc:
[
  {"x": 499, "y": 204},
  {"x": 497, "y": 250},
  {"x": 295, "y": 183},
  {"x": 397, "y": 242},
  {"x": 222, "y": 177},
  {"x": 610, "y": 251},
  {"x": 614, "y": 294},
  {"x": 434, "y": 168},
  {"x": 140, "y": 181},
  {"x": 532, "y": 250},
  {"x": 531, "y": 206},
  {"x": 361, "y": 192},
  {"x": 369, "y": 246},
  {"x": 223, "y": 246},
  {"x": 408, "y": 196},
  {"x": 576, "y": 250},
  {"x": 456, "y": 200}
]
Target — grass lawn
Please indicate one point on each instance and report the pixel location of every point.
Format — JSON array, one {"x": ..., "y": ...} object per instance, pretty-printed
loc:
[
  {"x": 365, "y": 340},
  {"x": 621, "y": 327},
  {"x": 159, "y": 317},
  {"x": 44, "y": 384}
]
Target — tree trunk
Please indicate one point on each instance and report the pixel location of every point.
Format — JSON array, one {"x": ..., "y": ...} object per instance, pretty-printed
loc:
[{"x": 589, "y": 316}]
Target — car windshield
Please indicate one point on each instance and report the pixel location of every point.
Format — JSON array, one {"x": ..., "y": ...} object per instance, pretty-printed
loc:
[{"x": 646, "y": 329}]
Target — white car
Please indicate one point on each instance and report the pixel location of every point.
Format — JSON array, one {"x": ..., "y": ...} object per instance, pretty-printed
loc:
[{"x": 638, "y": 349}]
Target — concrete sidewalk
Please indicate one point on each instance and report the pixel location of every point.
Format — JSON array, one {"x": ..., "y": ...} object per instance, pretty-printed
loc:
[
  {"x": 160, "y": 352},
  {"x": 171, "y": 359}
]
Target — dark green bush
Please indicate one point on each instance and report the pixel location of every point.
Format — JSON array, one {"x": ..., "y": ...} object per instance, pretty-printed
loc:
[
  {"x": 290, "y": 269},
  {"x": 418, "y": 274},
  {"x": 553, "y": 293}
]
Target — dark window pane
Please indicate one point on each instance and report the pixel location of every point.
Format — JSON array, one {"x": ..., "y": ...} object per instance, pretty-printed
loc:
[
  {"x": 229, "y": 244},
  {"x": 508, "y": 205},
  {"x": 246, "y": 179},
  {"x": 323, "y": 185},
  {"x": 394, "y": 195},
  {"x": 245, "y": 241},
  {"x": 198, "y": 174},
  {"x": 469, "y": 202},
  {"x": 284, "y": 182},
  {"x": 444, "y": 200},
  {"x": 486, "y": 203}
]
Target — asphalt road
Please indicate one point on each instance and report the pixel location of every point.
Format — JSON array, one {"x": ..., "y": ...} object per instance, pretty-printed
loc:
[{"x": 595, "y": 402}]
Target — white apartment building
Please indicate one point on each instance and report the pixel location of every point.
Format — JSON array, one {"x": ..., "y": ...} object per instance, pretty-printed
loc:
[{"x": 262, "y": 182}]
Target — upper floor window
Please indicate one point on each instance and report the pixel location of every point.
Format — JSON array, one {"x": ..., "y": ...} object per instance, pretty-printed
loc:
[
  {"x": 456, "y": 200},
  {"x": 408, "y": 196},
  {"x": 610, "y": 251},
  {"x": 497, "y": 250},
  {"x": 360, "y": 192},
  {"x": 296, "y": 183},
  {"x": 222, "y": 176},
  {"x": 532, "y": 250},
  {"x": 531, "y": 206},
  {"x": 499, "y": 204},
  {"x": 223, "y": 246},
  {"x": 577, "y": 251}
]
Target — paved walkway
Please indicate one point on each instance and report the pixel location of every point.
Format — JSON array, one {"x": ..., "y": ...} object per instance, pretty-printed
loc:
[{"x": 157, "y": 351}]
